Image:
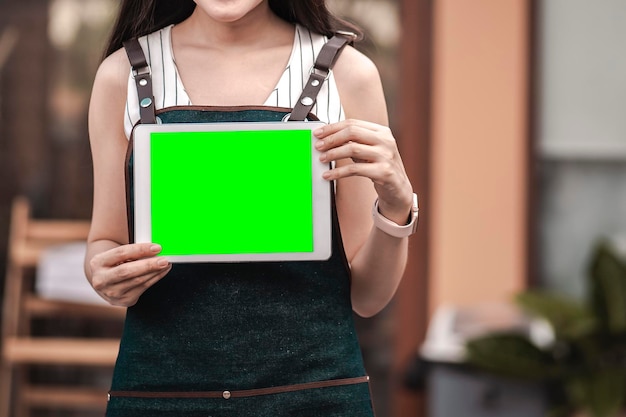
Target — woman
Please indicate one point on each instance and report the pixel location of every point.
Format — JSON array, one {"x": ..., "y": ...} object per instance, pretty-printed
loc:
[{"x": 247, "y": 339}]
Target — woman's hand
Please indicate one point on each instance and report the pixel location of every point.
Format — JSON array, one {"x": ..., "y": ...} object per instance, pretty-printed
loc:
[
  {"x": 374, "y": 152},
  {"x": 120, "y": 275}
]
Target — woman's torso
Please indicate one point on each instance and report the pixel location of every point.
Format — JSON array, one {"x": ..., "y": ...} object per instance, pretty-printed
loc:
[{"x": 240, "y": 326}]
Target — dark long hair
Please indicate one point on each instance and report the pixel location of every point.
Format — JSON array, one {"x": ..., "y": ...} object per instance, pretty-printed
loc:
[{"x": 141, "y": 17}]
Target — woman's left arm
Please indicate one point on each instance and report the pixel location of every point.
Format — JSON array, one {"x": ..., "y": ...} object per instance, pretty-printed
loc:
[{"x": 368, "y": 166}]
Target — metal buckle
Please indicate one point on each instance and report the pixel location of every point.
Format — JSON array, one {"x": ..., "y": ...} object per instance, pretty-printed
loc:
[
  {"x": 352, "y": 35},
  {"x": 415, "y": 213},
  {"x": 286, "y": 117},
  {"x": 142, "y": 71},
  {"x": 319, "y": 72}
]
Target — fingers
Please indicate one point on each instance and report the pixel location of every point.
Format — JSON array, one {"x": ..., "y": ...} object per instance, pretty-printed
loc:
[
  {"x": 348, "y": 124},
  {"x": 128, "y": 293},
  {"x": 375, "y": 155},
  {"x": 130, "y": 270},
  {"x": 380, "y": 173},
  {"x": 362, "y": 141},
  {"x": 339, "y": 134},
  {"x": 126, "y": 253},
  {"x": 120, "y": 275},
  {"x": 371, "y": 146},
  {"x": 358, "y": 152}
]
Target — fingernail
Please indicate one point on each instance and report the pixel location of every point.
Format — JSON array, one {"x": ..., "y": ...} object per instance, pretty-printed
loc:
[
  {"x": 319, "y": 144},
  {"x": 155, "y": 248},
  {"x": 323, "y": 157},
  {"x": 318, "y": 132},
  {"x": 162, "y": 262},
  {"x": 326, "y": 175}
]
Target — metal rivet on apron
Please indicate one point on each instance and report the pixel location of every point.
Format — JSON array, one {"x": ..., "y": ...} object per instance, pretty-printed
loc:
[
  {"x": 108, "y": 397},
  {"x": 315, "y": 83},
  {"x": 306, "y": 101},
  {"x": 146, "y": 102},
  {"x": 143, "y": 82},
  {"x": 226, "y": 395}
]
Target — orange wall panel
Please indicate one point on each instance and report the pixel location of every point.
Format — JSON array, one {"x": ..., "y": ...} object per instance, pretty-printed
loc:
[{"x": 479, "y": 151}]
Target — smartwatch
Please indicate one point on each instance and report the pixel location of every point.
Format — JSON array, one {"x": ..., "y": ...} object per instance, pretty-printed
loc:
[{"x": 392, "y": 228}]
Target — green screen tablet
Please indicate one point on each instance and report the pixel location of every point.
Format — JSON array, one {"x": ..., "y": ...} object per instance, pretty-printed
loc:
[{"x": 231, "y": 192}]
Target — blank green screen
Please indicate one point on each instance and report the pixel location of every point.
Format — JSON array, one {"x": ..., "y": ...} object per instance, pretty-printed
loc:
[{"x": 235, "y": 192}]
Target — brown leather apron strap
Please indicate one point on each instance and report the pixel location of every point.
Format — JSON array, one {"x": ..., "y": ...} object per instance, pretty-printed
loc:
[
  {"x": 143, "y": 80},
  {"x": 319, "y": 73},
  {"x": 242, "y": 393}
]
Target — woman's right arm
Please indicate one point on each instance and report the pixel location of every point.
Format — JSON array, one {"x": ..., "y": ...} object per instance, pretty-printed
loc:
[{"x": 120, "y": 272}]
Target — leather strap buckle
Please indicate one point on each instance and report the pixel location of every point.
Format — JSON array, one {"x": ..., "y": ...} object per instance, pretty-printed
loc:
[
  {"x": 347, "y": 33},
  {"x": 320, "y": 71},
  {"x": 139, "y": 72}
]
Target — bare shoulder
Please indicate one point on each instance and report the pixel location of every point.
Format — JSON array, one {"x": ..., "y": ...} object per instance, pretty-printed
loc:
[
  {"x": 360, "y": 87},
  {"x": 354, "y": 68},
  {"x": 108, "y": 99},
  {"x": 108, "y": 95},
  {"x": 113, "y": 71}
]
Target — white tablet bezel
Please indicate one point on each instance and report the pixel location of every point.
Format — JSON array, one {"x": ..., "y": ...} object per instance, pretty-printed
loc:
[{"x": 322, "y": 228}]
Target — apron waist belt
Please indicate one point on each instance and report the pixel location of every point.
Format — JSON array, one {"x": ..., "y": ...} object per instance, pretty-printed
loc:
[{"x": 241, "y": 393}]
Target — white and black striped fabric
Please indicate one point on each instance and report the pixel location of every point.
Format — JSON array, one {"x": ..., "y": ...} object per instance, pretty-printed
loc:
[{"x": 169, "y": 89}]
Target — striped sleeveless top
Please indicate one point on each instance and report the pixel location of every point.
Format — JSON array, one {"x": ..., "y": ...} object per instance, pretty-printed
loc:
[{"x": 169, "y": 89}]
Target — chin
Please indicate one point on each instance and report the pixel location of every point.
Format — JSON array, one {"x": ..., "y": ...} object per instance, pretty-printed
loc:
[{"x": 228, "y": 11}]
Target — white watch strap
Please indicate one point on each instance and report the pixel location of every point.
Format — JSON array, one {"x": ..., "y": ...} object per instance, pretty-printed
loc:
[{"x": 392, "y": 228}]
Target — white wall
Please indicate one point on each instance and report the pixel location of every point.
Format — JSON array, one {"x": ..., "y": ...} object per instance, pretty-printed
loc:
[{"x": 581, "y": 134}]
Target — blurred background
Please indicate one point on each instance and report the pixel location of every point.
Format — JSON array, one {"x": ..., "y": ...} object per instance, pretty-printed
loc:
[{"x": 509, "y": 117}]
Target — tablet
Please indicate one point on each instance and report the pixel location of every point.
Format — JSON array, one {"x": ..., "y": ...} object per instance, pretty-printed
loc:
[{"x": 231, "y": 192}]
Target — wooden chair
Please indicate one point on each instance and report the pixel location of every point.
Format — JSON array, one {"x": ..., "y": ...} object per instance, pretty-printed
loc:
[{"x": 21, "y": 348}]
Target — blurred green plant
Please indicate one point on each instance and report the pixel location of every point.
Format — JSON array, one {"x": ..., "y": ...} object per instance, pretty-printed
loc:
[{"x": 585, "y": 363}]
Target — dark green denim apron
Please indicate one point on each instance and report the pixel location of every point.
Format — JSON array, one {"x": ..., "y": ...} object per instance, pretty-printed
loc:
[{"x": 243, "y": 339}]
